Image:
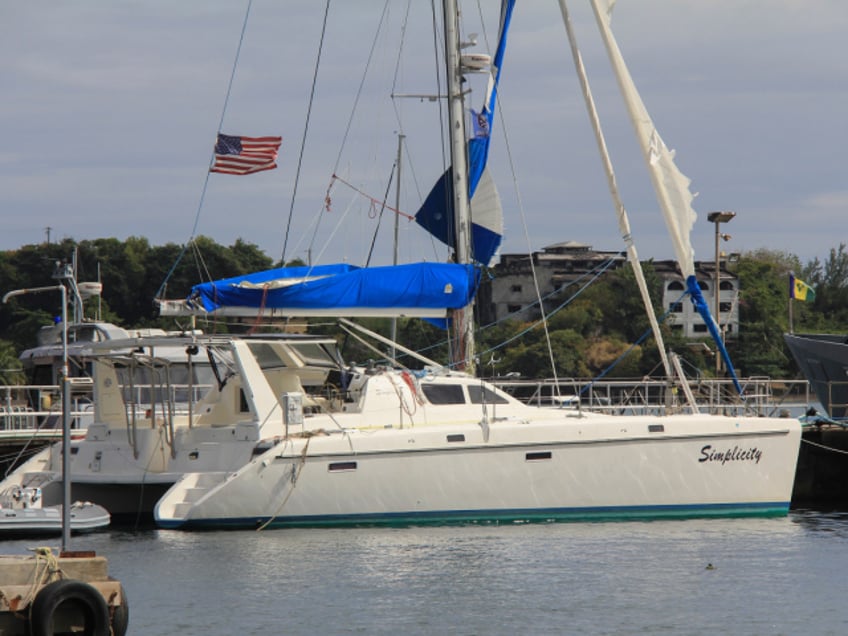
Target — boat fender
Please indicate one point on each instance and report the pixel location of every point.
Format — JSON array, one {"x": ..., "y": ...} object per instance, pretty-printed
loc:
[
  {"x": 75, "y": 594},
  {"x": 120, "y": 615}
]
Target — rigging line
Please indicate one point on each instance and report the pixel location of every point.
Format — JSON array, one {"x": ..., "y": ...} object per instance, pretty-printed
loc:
[
  {"x": 212, "y": 156},
  {"x": 202, "y": 268},
  {"x": 383, "y": 207},
  {"x": 333, "y": 234},
  {"x": 523, "y": 215},
  {"x": 305, "y": 131},
  {"x": 624, "y": 354},
  {"x": 543, "y": 320},
  {"x": 355, "y": 104},
  {"x": 594, "y": 274},
  {"x": 361, "y": 85},
  {"x": 314, "y": 222},
  {"x": 437, "y": 32},
  {"x": 398, "y": 118},
  {"x": 382, "y": 202}
]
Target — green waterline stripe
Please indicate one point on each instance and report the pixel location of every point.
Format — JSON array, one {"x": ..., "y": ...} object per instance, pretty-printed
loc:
[{"x": 610, "y": 513}]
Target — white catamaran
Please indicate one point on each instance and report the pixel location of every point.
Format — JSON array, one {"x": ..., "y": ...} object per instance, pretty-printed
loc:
[{"x": 386, "y": 445}]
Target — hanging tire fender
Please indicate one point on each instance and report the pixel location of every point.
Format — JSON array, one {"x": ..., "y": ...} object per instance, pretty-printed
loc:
[{"x": 88, "y": 600}]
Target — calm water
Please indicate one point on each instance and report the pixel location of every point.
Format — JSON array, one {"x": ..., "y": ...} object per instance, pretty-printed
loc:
[{"x": 770, "y": 576}]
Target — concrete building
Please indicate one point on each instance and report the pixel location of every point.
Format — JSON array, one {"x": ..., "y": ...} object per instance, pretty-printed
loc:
[{"x": 511, "y": 291}]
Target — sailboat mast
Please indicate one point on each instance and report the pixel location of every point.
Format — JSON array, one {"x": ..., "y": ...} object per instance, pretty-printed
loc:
[
  {"x": 401, "y": 137},
  {"x": 464, "y": 318}
]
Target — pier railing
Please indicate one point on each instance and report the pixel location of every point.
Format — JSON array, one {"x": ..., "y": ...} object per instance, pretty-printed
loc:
[{"x": 35, "y": 411}]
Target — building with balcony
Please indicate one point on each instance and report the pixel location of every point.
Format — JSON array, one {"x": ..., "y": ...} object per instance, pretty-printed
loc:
[{"x": 511, "y": 292}]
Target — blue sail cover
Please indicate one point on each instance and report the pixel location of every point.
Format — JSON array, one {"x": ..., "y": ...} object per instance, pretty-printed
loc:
[
  {"x": 478, "y": 146},
  {"x": 343, "y": 287},
  {"x": 700, "y": 304},
  {"x": 437, "y": 214}
]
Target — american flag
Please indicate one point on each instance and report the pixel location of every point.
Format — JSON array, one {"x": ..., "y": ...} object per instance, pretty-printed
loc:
[{"x": 245, "y": 155}]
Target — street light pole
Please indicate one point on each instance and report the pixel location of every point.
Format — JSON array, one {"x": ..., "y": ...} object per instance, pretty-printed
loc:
[
  {"x": 66, "y": 409},
  {"x": 718, "y": 218}
]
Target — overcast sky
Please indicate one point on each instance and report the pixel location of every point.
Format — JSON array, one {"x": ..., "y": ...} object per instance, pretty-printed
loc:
[{"x": 110, "y": 110}]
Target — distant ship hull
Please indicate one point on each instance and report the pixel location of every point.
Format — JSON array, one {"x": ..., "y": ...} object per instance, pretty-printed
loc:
[{"x": 823, "y": 359}]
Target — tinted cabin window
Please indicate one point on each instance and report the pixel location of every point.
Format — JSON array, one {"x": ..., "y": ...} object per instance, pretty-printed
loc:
[
  {"x": 478, "y": 393},
  {"x": 444, "y": 393}
]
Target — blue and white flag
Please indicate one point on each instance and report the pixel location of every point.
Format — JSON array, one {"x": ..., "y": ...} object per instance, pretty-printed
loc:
[{"x": 480, "y": 124}]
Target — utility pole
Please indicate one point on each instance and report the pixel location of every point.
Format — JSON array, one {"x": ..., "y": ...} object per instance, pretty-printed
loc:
[{"x": 718, "y": 218}]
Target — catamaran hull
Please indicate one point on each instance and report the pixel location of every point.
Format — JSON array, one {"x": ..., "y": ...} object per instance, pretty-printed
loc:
[{"x": 523, "y": 472}]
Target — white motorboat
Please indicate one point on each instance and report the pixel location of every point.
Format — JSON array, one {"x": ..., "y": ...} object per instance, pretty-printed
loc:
[{"x": 22, "y": 514}]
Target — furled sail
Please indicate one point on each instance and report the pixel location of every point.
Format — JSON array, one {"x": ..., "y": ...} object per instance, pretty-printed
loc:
[
  {"x": 417, "y": 289},
  {"x": 671, "y": 185},
  {"x": 436, "y": 215}
]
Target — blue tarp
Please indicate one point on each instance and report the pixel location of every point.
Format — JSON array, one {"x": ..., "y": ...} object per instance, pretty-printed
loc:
[{"x": 342, "y": 286}]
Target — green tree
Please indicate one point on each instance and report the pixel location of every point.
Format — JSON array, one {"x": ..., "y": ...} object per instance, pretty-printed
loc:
[
  {"x": 11, "y": 371},
  {"x": 763, "y": 314}
]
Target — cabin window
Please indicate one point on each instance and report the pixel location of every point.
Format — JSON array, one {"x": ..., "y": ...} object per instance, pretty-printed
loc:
[
  {"x": 656, "y": 428},
  {"x": 444, "y": 393},
  {"x": 479, "y": 394},
  {"x": 314, "y": 354},
  {"x": 43, "y": 374},
  {"x": 243, "y": 407},
  {"x": 537, "y": 456},
  {"x": 456, "y": 438},
  {"x": 341, "y": 466}
]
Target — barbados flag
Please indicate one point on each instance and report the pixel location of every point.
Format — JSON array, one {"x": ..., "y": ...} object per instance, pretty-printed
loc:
[{"x": 799, "y": 290}]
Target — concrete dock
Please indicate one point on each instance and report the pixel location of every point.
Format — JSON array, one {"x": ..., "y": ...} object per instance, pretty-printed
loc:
[{"x": 48, "y": 593}]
